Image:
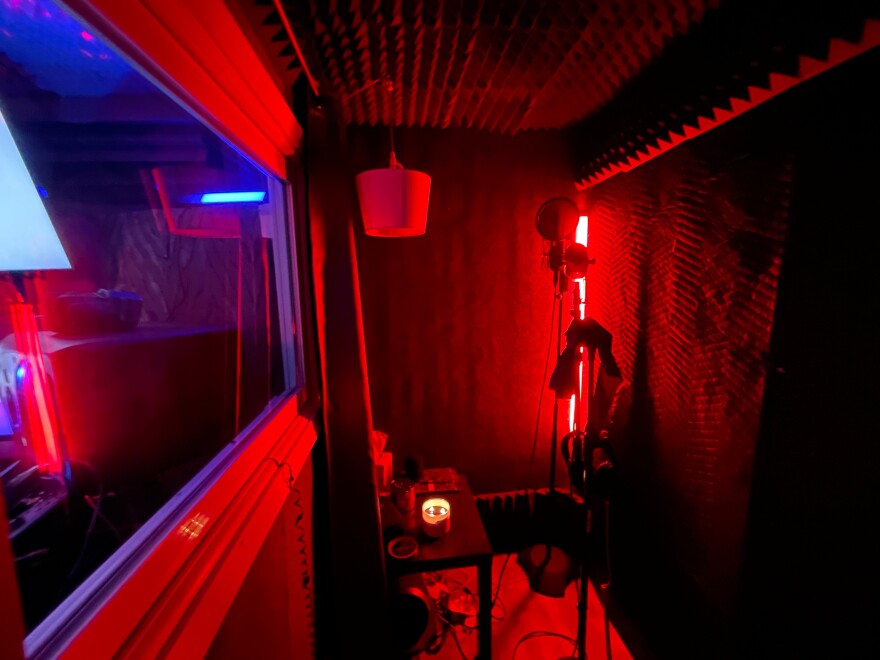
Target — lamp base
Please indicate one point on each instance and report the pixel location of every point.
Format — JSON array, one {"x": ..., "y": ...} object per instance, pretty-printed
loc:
[{"x": 549, "y": 569}]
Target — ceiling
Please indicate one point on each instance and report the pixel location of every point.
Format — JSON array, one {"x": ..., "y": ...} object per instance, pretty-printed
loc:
[
  {"x": 632, "y": 78},
  {"x": 500, "y": 65}
]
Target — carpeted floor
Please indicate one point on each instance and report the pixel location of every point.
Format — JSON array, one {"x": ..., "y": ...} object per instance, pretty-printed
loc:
[{"x": 521, "y": 611}]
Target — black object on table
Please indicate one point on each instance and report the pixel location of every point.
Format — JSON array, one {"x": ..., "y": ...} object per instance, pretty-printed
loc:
[{"x": 466, "y": 544}]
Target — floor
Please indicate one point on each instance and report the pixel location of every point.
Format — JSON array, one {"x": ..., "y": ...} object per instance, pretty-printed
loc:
[{"x": 522, "y": 611}]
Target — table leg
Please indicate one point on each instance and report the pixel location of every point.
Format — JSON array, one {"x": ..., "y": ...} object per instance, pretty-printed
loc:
[{"x": 484, "y": 575}]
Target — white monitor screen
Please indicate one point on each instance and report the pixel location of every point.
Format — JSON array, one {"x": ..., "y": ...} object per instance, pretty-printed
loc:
[{"x": 28, "y": 240}]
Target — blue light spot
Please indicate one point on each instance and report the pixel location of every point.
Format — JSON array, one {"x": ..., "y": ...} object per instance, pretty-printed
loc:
[
  {"x": 231, "y": 197},
  {"x": 20, "y": 372},
  {"x": 43, "y": 192},
  {"x": 50, "y": 45}
]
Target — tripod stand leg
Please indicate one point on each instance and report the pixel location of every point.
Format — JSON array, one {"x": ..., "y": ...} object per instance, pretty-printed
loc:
[
  {"x": 484, "y": 575},
  {"x": 584, "y": 589},
  {"x": 554, "y": 432}
]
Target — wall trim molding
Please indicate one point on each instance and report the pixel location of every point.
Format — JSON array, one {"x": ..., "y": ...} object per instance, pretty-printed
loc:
[{"x": 169, "y": 597}]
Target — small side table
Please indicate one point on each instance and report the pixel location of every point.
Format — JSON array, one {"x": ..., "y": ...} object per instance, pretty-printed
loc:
[{"x": 466, "y": 544}]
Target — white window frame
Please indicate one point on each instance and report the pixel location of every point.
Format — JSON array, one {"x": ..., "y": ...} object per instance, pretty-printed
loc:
[{"x": 234, "y": 498}]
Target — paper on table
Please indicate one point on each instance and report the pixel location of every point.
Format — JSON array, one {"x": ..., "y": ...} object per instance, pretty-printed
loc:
[{"x": 438, "y": 480}]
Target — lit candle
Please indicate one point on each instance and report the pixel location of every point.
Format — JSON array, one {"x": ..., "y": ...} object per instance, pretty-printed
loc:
[{"x": 435, "y": 517}]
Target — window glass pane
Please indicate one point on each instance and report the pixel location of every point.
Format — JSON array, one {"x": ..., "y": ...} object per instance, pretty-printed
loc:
[{"x": 124, "y": 374}]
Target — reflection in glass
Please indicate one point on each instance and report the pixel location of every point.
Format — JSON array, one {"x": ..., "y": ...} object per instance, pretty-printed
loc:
[{"x": 123, "y": 376}]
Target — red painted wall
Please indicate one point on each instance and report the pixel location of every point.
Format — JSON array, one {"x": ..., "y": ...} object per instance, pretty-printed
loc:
[
  {"x": 739, "y": 290},
  {"x": 456, "y": 321},
  {"x": 273, "y": 614},
  {"x": 811, "y": 561}
]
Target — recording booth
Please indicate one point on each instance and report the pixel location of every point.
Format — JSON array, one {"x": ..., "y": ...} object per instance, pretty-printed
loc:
[{"x": 438, "y": 329}]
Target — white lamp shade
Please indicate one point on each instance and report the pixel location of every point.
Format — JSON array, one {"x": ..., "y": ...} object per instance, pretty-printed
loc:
[{"x": 394, "y": 201}]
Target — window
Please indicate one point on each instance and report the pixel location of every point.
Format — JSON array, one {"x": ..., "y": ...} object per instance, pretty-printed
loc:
[{"x": 146, "y": 298}]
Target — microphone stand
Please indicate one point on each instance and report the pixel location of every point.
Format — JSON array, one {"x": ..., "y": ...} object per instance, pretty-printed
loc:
[
  {"x": 536, "y": 559},
  {"x": 560, "y": 286},
  {"x": 586, "y": 403},
  {"x": 581, "y": 639}
]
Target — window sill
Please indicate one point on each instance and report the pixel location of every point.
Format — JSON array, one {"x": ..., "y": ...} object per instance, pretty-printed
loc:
[{"x": 170, "y": 592}]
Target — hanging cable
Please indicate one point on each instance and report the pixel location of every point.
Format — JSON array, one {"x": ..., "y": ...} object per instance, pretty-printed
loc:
[
  {"x": 541, "y": 397},
  {"x": 389, "y": 102},
  {"x": 391, "y": 133},
  {"x": 500, "y": 578},
  {"x": 281, "y": 464},
  {"x": 540, "y": 633}
]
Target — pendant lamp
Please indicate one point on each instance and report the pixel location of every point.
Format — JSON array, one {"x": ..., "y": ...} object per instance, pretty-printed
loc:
[{"x": 394, "y": 200}]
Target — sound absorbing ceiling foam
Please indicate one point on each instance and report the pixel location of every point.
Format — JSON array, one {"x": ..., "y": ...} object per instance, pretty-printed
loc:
[
  {"x": 738, "y": 58},
  {"x": 502, "y": 66}
]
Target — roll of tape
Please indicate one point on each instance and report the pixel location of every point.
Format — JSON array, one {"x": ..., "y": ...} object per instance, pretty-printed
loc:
[{"x": 403, "y": 547}]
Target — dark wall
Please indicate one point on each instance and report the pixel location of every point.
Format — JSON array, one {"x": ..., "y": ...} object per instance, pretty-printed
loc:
[
  {"x": 688, "y": 251},
  {"x": 741, "y": 519},
  {"x": 273, "y": 614},
  {"x": 811, "y": 577},
  {"x": 457, "y": 321},
  {"x": 736, "y": 273}
]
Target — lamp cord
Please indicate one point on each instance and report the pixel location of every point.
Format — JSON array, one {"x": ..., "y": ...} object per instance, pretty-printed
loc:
[
  {"x": 280, "y": 464},
  {"x": 391, "y": 134},
  {"x": 389, "y": 90}
]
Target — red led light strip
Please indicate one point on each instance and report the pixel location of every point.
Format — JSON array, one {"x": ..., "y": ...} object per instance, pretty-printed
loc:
[
  {"x": 43, "y": 422},
  {"x": 582, "y": 237}
]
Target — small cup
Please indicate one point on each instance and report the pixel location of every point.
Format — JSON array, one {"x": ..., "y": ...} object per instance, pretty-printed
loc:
[
  {"x": 436, "y": 517},
  {"x": 403, "y": 494}
]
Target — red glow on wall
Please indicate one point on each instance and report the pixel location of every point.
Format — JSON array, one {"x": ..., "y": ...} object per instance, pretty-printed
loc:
[{"x": 41, "y": 412}]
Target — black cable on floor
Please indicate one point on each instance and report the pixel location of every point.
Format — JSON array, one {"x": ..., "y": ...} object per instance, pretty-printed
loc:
[
  {"x": 457, "y": 643},
  {"x": 500, "y": 578},
  {"x": 540, "y": 633}
]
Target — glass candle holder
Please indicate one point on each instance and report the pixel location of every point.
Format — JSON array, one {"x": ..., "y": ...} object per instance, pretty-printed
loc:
[
  {"x": 436, "y": 514},
  {"x": 403, "y": 494}
]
